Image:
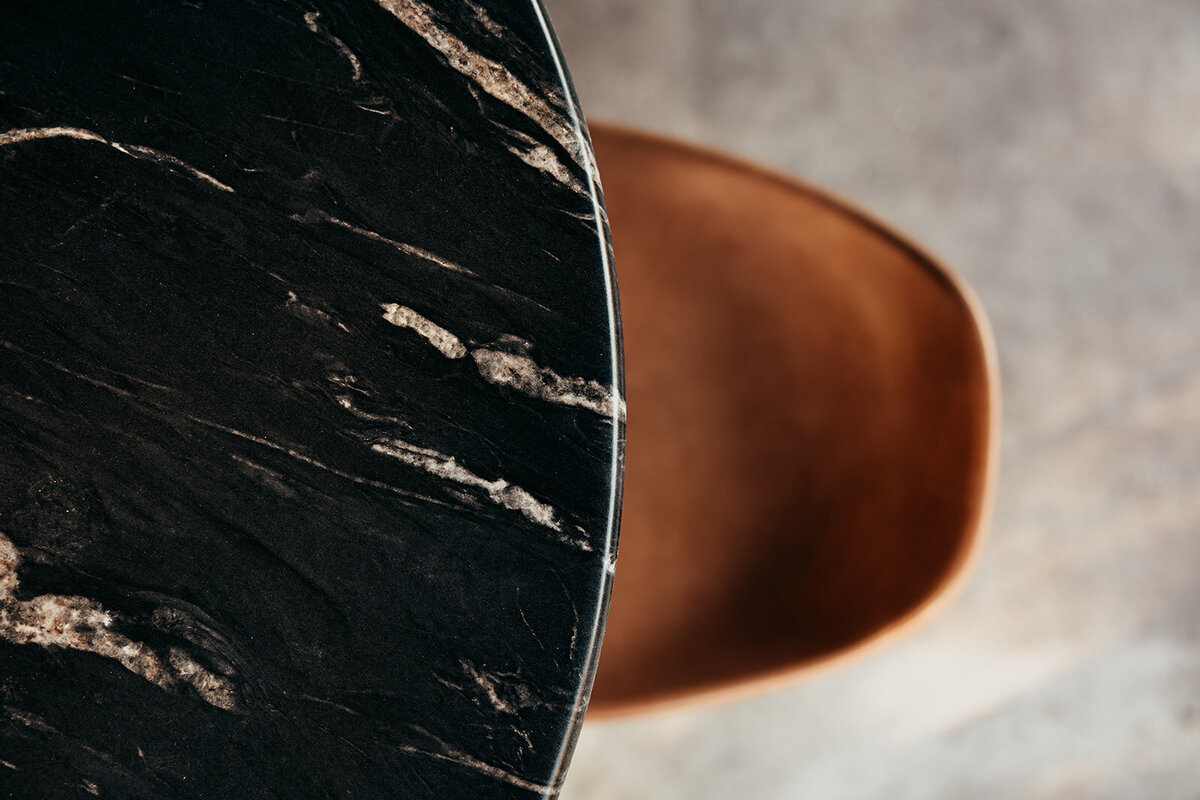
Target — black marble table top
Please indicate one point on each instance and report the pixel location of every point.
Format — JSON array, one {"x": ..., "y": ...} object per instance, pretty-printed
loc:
[{"x": 310, "y": 409}]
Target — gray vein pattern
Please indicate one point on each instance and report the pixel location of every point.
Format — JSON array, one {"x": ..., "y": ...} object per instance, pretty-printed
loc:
[{"x": 312, "y": 419}]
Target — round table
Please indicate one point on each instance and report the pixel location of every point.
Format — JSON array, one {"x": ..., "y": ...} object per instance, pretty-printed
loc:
[{"x": 311, "y": 441}]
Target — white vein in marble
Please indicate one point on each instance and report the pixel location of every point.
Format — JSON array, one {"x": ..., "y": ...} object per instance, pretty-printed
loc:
[
  {"x": 493, "y": 78},
  {"x": 504, "y": 691},
  {"x": 291, "y": 452},
  {"x": 132, "y": 150},
  {"x": 404, "y": 317},
  {"x": 489, "y": 684},
  {"x": 77, "y": 623},
  {"x": 519, "y": 371},
  {"x": 310, "y": 314},
  {"x": 310, "y": 19},
  {"x": 485, "y": 19},
  {"x": 315, "y": 215},
  {"x": 273, "y": 480},
  {"x": 456, "y": 756},
  {"x": 500, "y": 491},
  {"x": 541, "y": 158},
  {"x": 516, "y": 370},
  {"x": 347, "y": 403}
]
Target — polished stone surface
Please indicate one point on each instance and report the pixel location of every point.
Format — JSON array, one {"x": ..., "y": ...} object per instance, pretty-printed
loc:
[
  {"x": 311, "y": 428},
  {"x": 1049, "y": 152}
]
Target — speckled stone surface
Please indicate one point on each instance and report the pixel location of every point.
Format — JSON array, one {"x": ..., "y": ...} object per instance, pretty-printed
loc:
[
  {"x": 1048, "y": 152},
  {"x": 311, "y": 411}
]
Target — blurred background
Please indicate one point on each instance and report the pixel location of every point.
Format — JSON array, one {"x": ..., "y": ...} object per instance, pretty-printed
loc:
[{"x": 1050, "y": 152}]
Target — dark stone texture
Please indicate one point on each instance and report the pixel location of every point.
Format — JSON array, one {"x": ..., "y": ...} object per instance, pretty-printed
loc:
[{"x": 265, "y": 530}]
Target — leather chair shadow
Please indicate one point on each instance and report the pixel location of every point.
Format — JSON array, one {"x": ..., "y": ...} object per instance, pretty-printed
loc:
[{"x": 812, "y": 428}]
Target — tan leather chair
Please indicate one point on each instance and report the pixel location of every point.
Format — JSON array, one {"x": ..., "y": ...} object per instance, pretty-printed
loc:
[{"x": 812, "y": 428}]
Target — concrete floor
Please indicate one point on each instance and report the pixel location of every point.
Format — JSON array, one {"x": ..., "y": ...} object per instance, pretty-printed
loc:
[{"x": 1050, "y": 151}]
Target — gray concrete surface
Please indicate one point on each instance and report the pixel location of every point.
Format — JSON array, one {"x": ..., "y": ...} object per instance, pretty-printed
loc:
[{"x": 1050, "y": 151}]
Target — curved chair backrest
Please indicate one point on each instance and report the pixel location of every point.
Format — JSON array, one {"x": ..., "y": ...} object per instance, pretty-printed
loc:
[{"x": 812, "y": 428}]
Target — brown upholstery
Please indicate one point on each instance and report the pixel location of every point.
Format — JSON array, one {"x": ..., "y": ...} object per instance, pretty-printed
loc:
[{"x": 812, "y": 408}]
